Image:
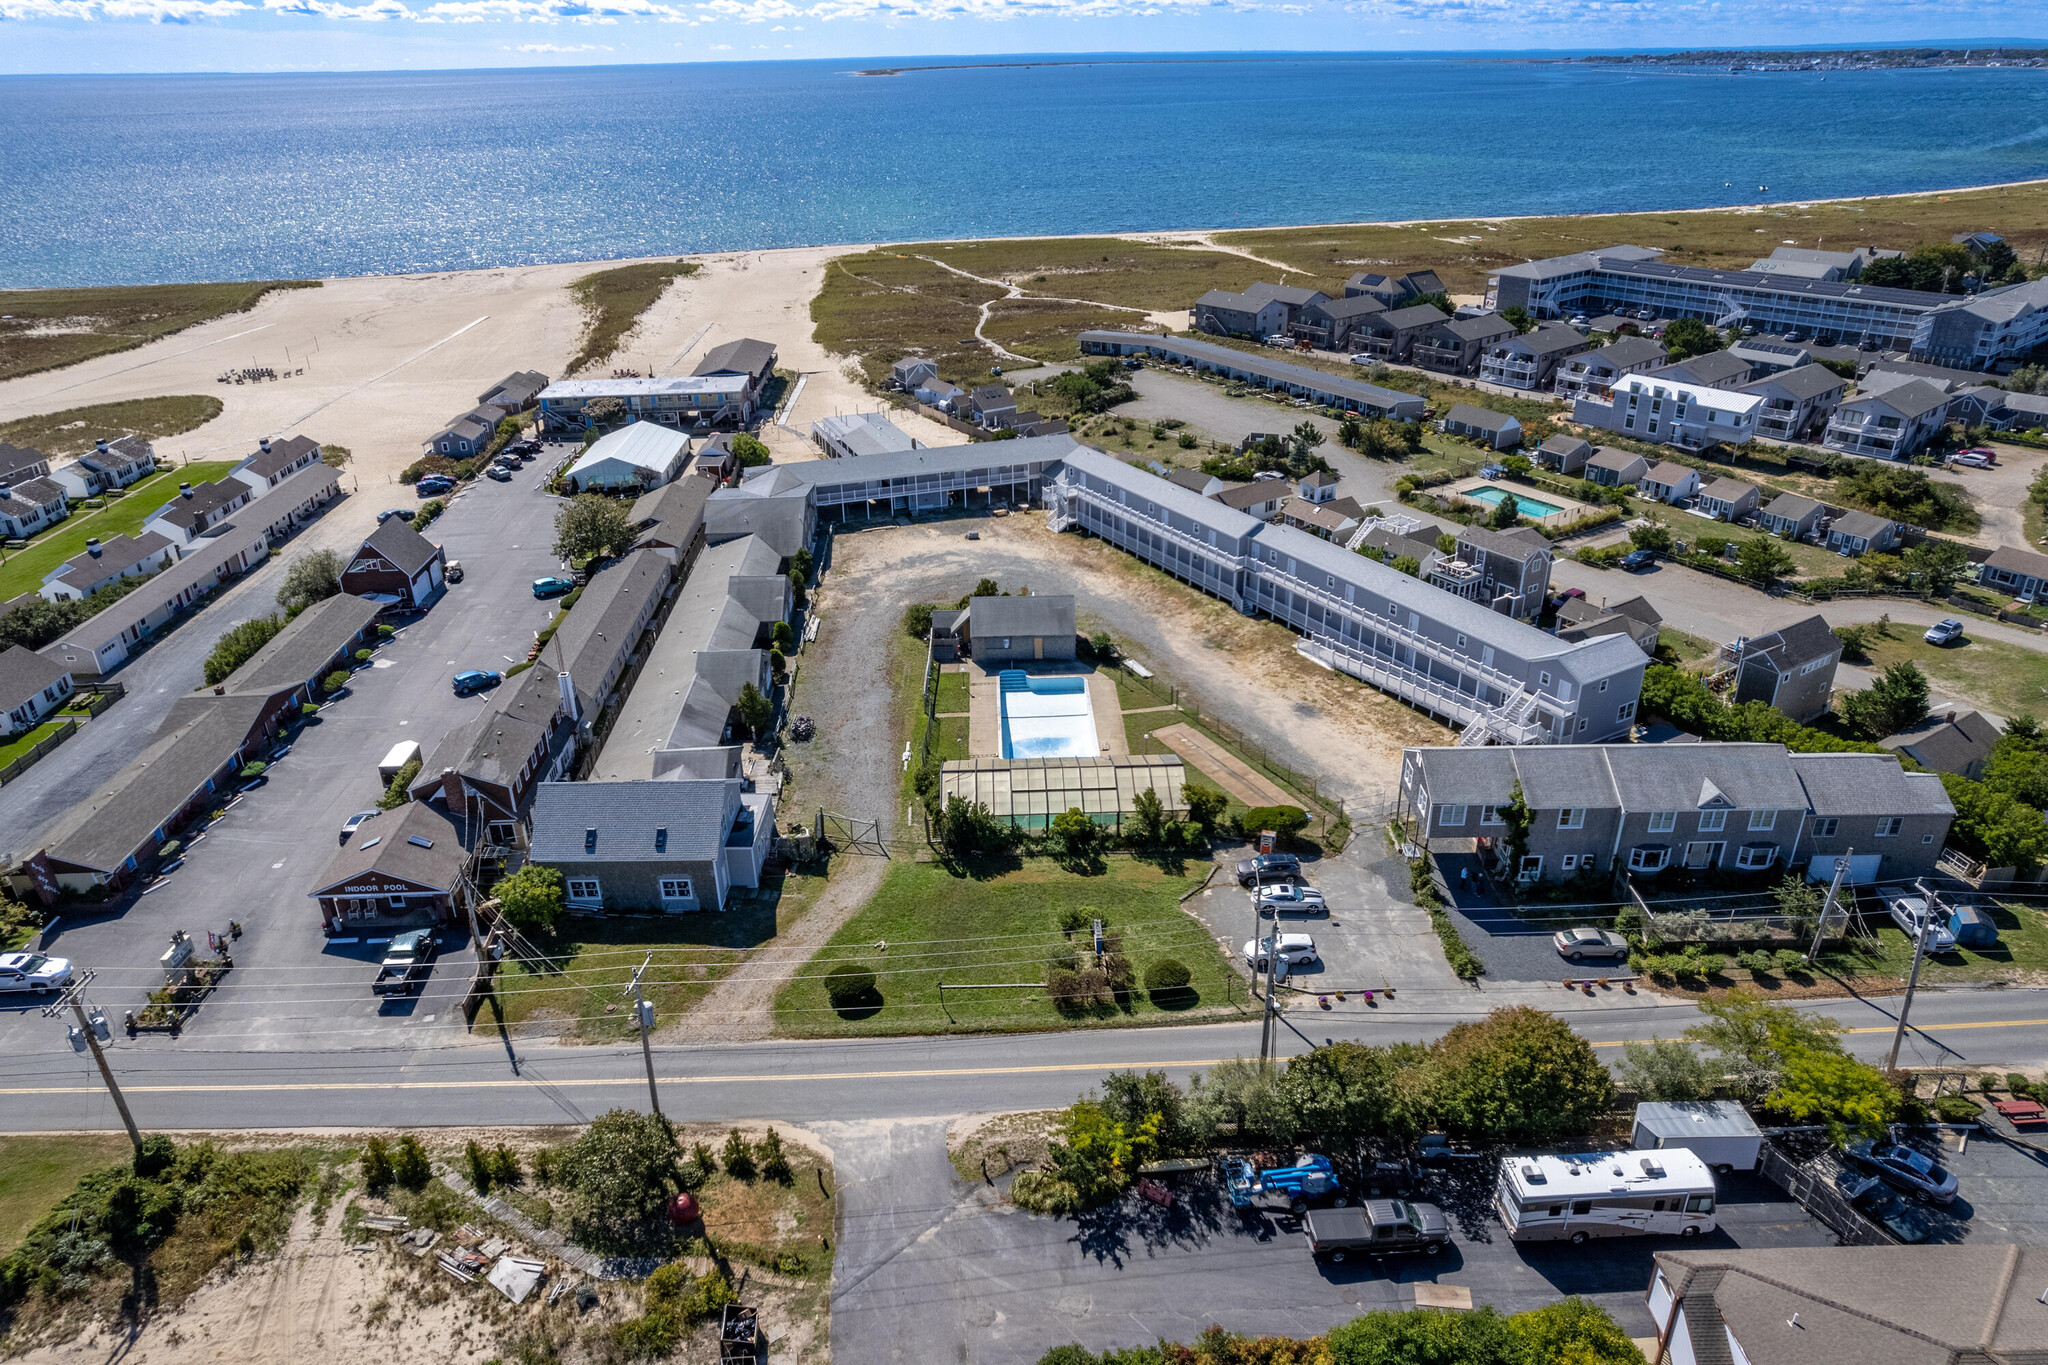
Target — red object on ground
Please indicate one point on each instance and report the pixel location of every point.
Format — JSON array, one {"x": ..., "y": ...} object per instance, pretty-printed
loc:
[
  {"x": 683, "y": 1210},
  {"x": 1157, "y": 1193},
  {"x": 2021, "y": 1111}
]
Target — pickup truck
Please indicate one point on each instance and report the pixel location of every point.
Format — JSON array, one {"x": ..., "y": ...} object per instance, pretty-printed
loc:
[
  {"x": 407, "y": 964},
  {"x": 1377, "y": 1227}
]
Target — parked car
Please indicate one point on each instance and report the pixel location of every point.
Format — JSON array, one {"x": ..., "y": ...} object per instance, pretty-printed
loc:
[
  {"x": 1576, "y": 945},
  {"x": 1567, "y": 595},
  {"x": 356, "y": 822},
  {"x": 433, "y": 487},
  {"x": 1904, "y": 1169},
  {"x": 1885, "y": 1207},
  {"x": 552, "y": 587},
  {"x": 406, "y": 965},
  {"x": 1909, "y": 911},
  {"x": 1973, "y": 459},
  {"x": 1254, "y": 871},
  {"x": 1944, "y": 632},
  {"x": 475, "y": 680},
  {"x": 1635, "y": 561},
  {"x": 498, "y": 473},
  {"x": 390, "y": 512},
  {"x": 1378, "y": 1227},
  {"x": 1291, "y": 896},
  {"x": 1296, "y": 950},
  {"x": 34, "y": 972},
  {"x": 453, "y": 573}
]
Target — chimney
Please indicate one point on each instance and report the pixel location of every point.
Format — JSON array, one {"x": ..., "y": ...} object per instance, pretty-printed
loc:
[
  {"x": 5, "y": 492},
  {"x": 568, "y": 691},
  {"x": 101, "y": 445},
  {"x": 266, "y": 445},
  {"x": 185, "y": 490},
  {"x": 92, "y": 546}
]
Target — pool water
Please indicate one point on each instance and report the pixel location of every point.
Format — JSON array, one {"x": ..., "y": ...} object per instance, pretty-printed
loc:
[
  {"x": 1047, "y": 717},
  {"x": 1528, "y": 507}
]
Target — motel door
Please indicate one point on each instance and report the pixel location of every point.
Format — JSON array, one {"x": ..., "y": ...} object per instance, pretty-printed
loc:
[{"x": 1703, "y": 854}]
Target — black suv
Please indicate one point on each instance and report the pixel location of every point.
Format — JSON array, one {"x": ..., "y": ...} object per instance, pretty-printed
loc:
[
  {"x": 1267, "y": 867},
  {"x": 1378, "y": 1227}
]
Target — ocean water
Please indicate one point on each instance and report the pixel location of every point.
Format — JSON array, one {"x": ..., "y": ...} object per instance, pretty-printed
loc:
[{"x": 115, "y": 180}]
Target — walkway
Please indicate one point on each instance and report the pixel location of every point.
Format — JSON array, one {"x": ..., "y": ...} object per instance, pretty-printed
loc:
[{"x": 1238, "y": 778}]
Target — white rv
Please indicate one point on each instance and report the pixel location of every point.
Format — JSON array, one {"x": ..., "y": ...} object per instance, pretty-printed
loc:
[{"x": 1604, "y": 1194}]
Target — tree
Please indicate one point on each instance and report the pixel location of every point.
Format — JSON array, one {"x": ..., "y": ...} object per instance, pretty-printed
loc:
[
  {"x": 1148, "y": 818},
  {"x": 1346, "y": 1091},
  {"x": 1284, "y": 821},
  {"x": 1205, "y": 805},
  {"x": 1897, "y": 699},
  {"x": 1762, "y": 560},
  {"x": 1418, "y": 1336},
  {"x": 967, "y": 827},
  {"x": 623, "y": 1170},
  {"x": 1505, "y": 515},
  {"x": 1654, "y": 535},
  {"x": 755, "y": 710},
  {"x": 312, "y": 577},
  {"x": 1667, "y": 1069},
  {"x": 1573, "y": 1331},
  {"x": 410, "y": 1165},
  {"x": 1855, "y": 641},
  {"x": 592, "y": 525},
  {"x": 1519, "y": 1075},
  {"x": 1407, "y": 564},
  {"x": 1938, "y": 564},
  {"x": 1517, "y": 817},
  {"x": 749, "y": 449},
  {"x": 239, "y": 645},
  {"x": 850, "y": 984},
  {"x": 1305, "y": 438},
  {"x": 1995, "y": 825},
  {"x": 1519, "y": 316},
  {"x": 1795, "y": 1063},
  {"x": 1137, "y": 1099},
  {"x": 801, "y": 563},
  {"x": 1685, "y": 338},
  {"x": 1073, "y": 835},
  {"x": 531, "y": 898},
  {"x": 376, "y": 1163},
  {"x": 1350, "y": 432},
  {"x": 917, "y": 621},
  {"x": 599, "y": 411}
]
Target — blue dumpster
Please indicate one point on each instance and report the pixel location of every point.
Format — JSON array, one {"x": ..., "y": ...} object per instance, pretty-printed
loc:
[{"x": 1973, "y": 928}]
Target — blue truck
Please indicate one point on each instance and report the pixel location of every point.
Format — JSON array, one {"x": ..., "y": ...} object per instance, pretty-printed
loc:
[{"x": 1311, "y": 1181}]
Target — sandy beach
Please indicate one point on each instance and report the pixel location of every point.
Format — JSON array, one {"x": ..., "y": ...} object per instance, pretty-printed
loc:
[{"x": 388, "y": 358}]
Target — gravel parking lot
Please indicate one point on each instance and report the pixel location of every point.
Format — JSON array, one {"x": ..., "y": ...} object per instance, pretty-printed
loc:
[{"x": 290, "y": 987}]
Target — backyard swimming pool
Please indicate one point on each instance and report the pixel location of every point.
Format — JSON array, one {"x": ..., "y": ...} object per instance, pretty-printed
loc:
[
  {"x": 1047, "y": 717},
  {"x": 1528, "y": 507}
]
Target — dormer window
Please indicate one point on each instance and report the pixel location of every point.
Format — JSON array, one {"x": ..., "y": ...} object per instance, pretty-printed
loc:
[
  {"x": 661, "y": 839},
  {"x": 590, "y": 840}
]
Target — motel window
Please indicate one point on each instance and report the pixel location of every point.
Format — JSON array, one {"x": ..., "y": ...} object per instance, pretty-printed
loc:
[
  {"x": 676, "y": 889},
  {"x": 1711, "y": 820},
  {"x": 1532, "y": 868},
  {"x": 1890, "y": 826},
  {"x": 1450, "y": 816},
  {"x": 396, "y": 902},
  {"x": 1825, "y": 829},
  {"x": 1489, "y": 815},
  {"x": 585, "y": 889},
  {"x": 1762, "y": 819},
  {"x": 1644, "y": 858},
  {"x": 1571, "y": 862},
  {"x": 1543, "y": 679},
  {"x": 1572, "y": 817},
  {"x": 1663, "y": 821}
]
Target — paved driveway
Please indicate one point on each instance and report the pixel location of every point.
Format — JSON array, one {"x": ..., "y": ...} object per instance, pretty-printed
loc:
[
  {"x": 291, "y": 988},
  {"x": 932, "y": 1268}
]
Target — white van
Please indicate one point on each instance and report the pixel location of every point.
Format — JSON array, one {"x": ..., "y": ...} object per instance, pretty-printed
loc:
[{"x": 402, "y": 753}]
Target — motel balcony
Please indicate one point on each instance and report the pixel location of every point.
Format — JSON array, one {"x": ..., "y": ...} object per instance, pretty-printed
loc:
[{"x": 1516, "y": 374}]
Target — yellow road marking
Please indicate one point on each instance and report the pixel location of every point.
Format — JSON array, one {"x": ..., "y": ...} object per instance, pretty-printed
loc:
[{"x": 588, "y": 1082}]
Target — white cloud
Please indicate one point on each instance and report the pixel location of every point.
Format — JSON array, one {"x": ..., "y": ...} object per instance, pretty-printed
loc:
[
  {"x": 144, "y": 11},
  {"x": 557, "y": 47}
]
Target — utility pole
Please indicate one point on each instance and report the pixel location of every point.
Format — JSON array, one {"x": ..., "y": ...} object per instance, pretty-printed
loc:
[
  {"x": 1828, "y": 907},
  {"x": 1931, "y": 903},
  {"x": 643, "y": 1013},
  {"x": 74, "y": 1000}
]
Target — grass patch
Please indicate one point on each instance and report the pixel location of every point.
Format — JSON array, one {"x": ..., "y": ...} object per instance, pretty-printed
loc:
[
  {"x": 613, "y": 301},
  {"x": 2004, "y": 678},
  {"x": 883, "y": 305},
  {"x": 782, "y": 1227},
  {"x": 35, "y": 1172},
  {"x": 2022, "y": 950},
  {"x": 24, "y": 570},
  {"x": 28, "y": 739},
  {"x": 951, "y": 740},
  {"x": 1683, "y": 648},
  {"x": 585, "y": 977},
  {"x": 998, "y": 923},
  {"x": 1051, "y": 330},
  {"x": 96, "y": 322},
  {"x": 74, "y": 430},
  {"x": 953, "y": 692},
  {"x": 1728, "y": 238}
]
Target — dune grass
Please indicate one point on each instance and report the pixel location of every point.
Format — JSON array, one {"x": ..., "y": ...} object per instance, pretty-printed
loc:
[
  {"x": 613, "y": 301},
  {"x": 73, "y": 431},
  {"x": 49, "y": 328},
  {"x": 37, "y": 1171}
]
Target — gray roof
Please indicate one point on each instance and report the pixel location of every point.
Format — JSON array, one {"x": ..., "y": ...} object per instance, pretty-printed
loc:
[
  {"x": 1417, "y": 315},
  {"x": 1633, "y": 777},
  {"x": 1947, "y": 743},
  {"x": 627, "y": 816},
  {"x": 1194, "y": 480},
  {"x": 117, "y": 555},
  {"x": 1357, "y": 306},
  {"x": 1869, "y": 1305},
  {"x": 281, "y": 455},
  {"x": 901, "y": 464},
  {"x": 397, "y": 542},
  {"x": 1333, "y": 516},
  {"x": 1867, "y": 525},
  {"x": 1394, "y": 546},
  {"x": 1669, "y": 472},
  {"x": 1728, "y": 490},
  {"x": 1791, "y": 506},
  {"x": 1278, "y": 371},
  {"x": 26, "y": 495},
  {"x": 2015, "y": 560},
  {"x": 1484, "y": 327},
  {"x": 200, "y": 563},
  {"x": 673, "y": 512},
  {"x": 122, "y": 450},
  {"x": 1697, "y": 1118},
  {"x": 304, "y": 648},
  {"x": 745, "y": 356},
  {"x": 493, "y": 748},
  {"x": 20, "y": 462},
  {"x": 1868, "y": 784},
  {"x": 1714, "y": 367},
  {"x": 1465, "y": 414},
  {"x": 468, "y": 427},
  {"x": 1910, "y": 399},
  {"x": 1546, "y": 339},
  {"x": 1293, "y": 295},
  {"x": 1519, "y": 543},
  {"x": 386, "y": 848},
  {"x": 1611, "y": 458},
  {"x": 1207, "y": 513},
  {"x": 1247, "y": 495},
  {"x": 1021, "y": 616},
  {"x": 1615, "y": 261},
  {"x": 1625, "y": 353},
  {"x": 24, "y": 674},
  {"x": 1749, "y": 776},
  {"x": 1562, "y": 444},
  {"x": 1804, "y": 381},
  {"x": 601, "y": 627},
  {"x": 1805, "y": 639},
  {"x": 520, "y": 386},
  {"x": 1231, "y": 299}
]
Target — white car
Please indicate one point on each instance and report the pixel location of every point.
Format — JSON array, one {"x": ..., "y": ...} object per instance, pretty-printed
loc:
[
  {"x": 1970, "y": 459},
  {"x": 1944, "y": 632},
  {"x": 1305, "y": 899},
  {"x": 356, "y": 822},
  {"x": 34, "y": 972},
  {"x": 1296, "y": 950},
  {"x": 1908, "y": 911}
]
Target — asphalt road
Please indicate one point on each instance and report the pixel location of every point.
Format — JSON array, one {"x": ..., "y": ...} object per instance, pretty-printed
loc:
[
  {"x": 291, "y": 987},
  {"x": 381, "y": 1080}
]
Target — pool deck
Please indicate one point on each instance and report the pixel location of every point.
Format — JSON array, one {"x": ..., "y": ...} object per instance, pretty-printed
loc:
[
  {"x": 1569, "y": 509},
  {"x": 985, "y": 706}
]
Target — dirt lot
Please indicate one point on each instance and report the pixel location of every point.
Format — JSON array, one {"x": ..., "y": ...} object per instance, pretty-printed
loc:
[{"x": 1243, "y": 670}]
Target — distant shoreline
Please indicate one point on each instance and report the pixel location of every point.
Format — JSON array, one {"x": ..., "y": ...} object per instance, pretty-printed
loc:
[{"x": 1732, "y": 60}]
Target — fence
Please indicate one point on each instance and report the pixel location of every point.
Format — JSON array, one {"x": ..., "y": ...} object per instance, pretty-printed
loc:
[
  {"x": 98, "y": 698},
  {"x": 1812, "y": 1185},
  {"x": 35, "y": 753}
]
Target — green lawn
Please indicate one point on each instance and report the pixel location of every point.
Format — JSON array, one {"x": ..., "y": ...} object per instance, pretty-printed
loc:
[
  {"x": 35, "y": 1172},
  {"x": 588, "y": 969},
  {"x": 2002, "y": 677},
  {"x": 2022, "y": 950},
  {"x": 28, "y": 739},
  {"x": 952, "y": 693},
  {"x": 24, "y": 569},
  {"x": 998, "y": 925},
  {"x": 1686, "y": 649}
]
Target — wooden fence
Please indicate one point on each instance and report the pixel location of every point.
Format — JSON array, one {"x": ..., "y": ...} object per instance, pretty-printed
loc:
[{"x": 34, "y": 755}]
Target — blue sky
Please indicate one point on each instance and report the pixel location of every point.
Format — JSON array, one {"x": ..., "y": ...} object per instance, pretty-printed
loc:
[{"x": 45, "y": 36}]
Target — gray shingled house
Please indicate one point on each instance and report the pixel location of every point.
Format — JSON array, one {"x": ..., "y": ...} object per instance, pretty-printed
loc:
[
  {"x": 670, "y": 846},
  {"x": 1008, "y": 629}
]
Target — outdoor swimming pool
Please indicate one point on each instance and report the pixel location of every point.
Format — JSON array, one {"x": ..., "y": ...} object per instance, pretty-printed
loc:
[
  {"x": 1528, "y": 507},
  {"x": 1047, "y": 717}
]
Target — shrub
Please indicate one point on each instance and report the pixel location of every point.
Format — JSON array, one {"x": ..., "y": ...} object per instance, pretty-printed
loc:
[
  {"x": 362, "y": 656},
  {"x": 1955, "y": 1109},
  {"x": 256, "y": 769},
  {"x": 479, "y": 1163},
  {"x": 917, "y": 621},
  {"x": 154, "y": 1156},
  {"x": 238, "y": 645},
  {"x": 739, "y": 1156},
  {"x": 775, "y": 1161},
  {"x": 335, "y": 681},
  {"x": 1074, "y": 918},
  {"x": 849, "y": 984},
  {"x": 544, "y": 1165},
  {"x": 1788, "y": 959},
  {"x": 701, "y": 1154},
  {"x": 410, "y": 1166},
  {"x": 1463, "y": 961},
  {"x": 1167, "y": 974},
  {"x": 1284, "y": 821}
]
